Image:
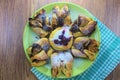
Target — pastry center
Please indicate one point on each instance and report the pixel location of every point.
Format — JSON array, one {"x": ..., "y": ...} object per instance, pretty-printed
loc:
[{"x": 61, "y": 37}]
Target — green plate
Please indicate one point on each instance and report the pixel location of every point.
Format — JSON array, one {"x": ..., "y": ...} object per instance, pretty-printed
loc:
[{"x": 29, "y": 37}]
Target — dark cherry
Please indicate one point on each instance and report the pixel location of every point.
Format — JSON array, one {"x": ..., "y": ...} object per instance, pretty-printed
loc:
[
  {"x": 60, "y": 21},
  {"x": 60, "y": 42},
  {"x": 31, "y": 55},
  {"x": 34, "y": 23},
  {"x": 35, "y": 60},
  {"x": 36, "y": 47},
  {"x": 56, "y": 41},
  {"x": 78, "y": 46},
  {"x": 79, "y": 21},
  {"x": 65, "y": 43},
  {"x": 61, "y": 36},
  {"x": 43, "y": 20},
  {"x": 74, "y": 28},
  {"x": 47, "y": 28},
  {"x": 42, "y": 17},
  {"x": 63, "y": 32},
  {"x": 63, "y": 40},
  {"x": 46, "y": 47}
]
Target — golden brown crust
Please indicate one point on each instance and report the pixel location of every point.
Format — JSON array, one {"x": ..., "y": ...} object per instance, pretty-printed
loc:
[
  {"x": 55, "y": 71},
  {"x": 79, "y": 42},
  {"x": 88, "y": 46},
  {"x": 43, "y": 41},
  {"x": 67, "y": 69},
  {"x": 50, "y": 51},
  {"x": 39, "y": 59},
  {"x": 40, "y": 32},
  {"x": 84, "y": 21},
  {"x": 78, "y": 53},
  {"x": 40, "y": 56},
  {"x": 93, "y": 46},
  {"x": 54, "y": 20},
  {"x": 89, "y": 28},
  {"x": 67, "y": 20},
  {"x": 29, "y": 50},
  {"x": 77, "y": 34},
  {"x": 91, "y": 55},
  {"x": 38, "y": 63}
]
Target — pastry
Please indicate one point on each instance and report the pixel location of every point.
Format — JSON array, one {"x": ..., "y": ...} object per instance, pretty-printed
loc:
[
  {"x": 80, "y": 42},
  {"x": 38, "y": 52},
  {"x": 93, "y": 46},
  {"x": 61, "y": 17},
  {"x": 61, "y": 62},
  {"x": 91, "y": 55},
  {"x": 44, "y": 43},
  {"x": 50, "y": 51},
  {"x": 78, "y": 53},
  {"x": 83, "y": 26},
  {"x": 34, "y": 49},
  {"x": 61, "y": 38},
  {"x": 89, "y": 28},
  {"x": 39, "y": 59},
  {"x": 83, "y": 21},
  {"x": 85, "y": 47},
  {"x": 40, "y": 24}
]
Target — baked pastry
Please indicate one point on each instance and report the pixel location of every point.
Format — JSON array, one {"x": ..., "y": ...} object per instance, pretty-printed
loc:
[
  {"x": 61, "y": 38},
  {"x": 44, "y": 43},
  {"x": 40, "y": 24},
  {"x": 78, "y": 53},
  {"x": 61, "y": 62},
  {"x": 93, "y": 46},
  {"x": 80, "y": 42},
  {"x": 61, "y": 17},
  {"x": 85, "y": 47},
  {"x": 89, "y": 28},
  {"x": 38, "y": 52},
  {"x": 39, "y": 59},
  {"x": 50, "y": 51},
  {"x": 83, "y": 26},
  {"x": 34, "y": 49}
]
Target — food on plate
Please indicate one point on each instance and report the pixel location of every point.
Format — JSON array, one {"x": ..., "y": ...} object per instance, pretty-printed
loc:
[
  {"x": 89, "y": 28},
  {"x": 61, "y": 40},
  {"x": 39, "y": 59},
  {"x": 83, "y": 26},
  {"x": 41, "y": 24},
  {"x": 85, "y": 47},
  {"x": 78, "y": 53}
]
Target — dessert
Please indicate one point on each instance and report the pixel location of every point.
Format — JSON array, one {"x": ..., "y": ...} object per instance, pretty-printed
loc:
[
  {"x": 61, "y": 62},
  {"x": 61, "y": 40}
]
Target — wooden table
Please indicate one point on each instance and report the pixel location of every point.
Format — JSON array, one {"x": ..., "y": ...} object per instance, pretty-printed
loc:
[{"x": 13, "y": 17}]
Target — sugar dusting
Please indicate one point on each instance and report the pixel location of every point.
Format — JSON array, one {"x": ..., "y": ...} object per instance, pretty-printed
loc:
[
  {"x": 59, "y": 32},
  {"x": 61, "y": 58}
]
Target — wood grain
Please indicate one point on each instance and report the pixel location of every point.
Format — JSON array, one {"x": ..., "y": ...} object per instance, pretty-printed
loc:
[{"x": 15, "y": 13}]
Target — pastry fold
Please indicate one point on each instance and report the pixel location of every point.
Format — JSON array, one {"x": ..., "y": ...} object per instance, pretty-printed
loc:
[{"x": 61, "y": 62}]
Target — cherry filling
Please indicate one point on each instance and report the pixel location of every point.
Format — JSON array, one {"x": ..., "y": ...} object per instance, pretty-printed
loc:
[{"x": 62, "y": 39}]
